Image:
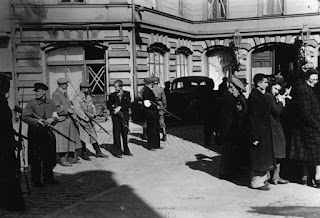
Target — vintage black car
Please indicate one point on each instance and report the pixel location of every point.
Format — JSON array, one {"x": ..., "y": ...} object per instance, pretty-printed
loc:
[{"x": 185, "y": 96}]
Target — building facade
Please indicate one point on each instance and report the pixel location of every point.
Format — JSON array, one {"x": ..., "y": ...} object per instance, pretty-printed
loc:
[{"x": 100, "y": 41}]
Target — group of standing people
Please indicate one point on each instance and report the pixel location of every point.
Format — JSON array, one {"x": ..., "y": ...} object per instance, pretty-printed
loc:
[{"x": 253, "y": 130}]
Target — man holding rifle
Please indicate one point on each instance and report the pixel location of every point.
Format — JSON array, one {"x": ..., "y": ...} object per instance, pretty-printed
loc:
[
  {"x": 39, "y": 114},
  {"x": 86, "y": 111},
  {"x": 119, "y": 104},
  {"x": 65, "y": 149}
]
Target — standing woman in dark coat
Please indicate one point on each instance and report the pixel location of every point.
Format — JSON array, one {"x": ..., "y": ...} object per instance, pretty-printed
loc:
[
  {"x": 277, "y": 102},
  {"x": 305, "y": 144},
  {"x": 10, "y": 188},
  {"x": 260, "y": 134}
]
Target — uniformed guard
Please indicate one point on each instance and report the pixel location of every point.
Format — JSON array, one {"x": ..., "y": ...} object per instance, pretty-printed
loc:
[
  {"x": 152, "y": 115},
  {"x": 39, "y": 114},
  {"x": 86, "y": 111},
  {"x": 119, "y": 103},
  {"x": 65, "y": 148},
  {"x": 162, "y": 101},
  {"x": 10, "y": 188}
]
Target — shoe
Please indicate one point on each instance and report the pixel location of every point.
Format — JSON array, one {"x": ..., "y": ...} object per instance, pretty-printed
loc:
[
  {"x": 262, "y": 188},
  {"x": 266, "y": 183},
  {"x": 161, "y": 147},
  {"x": 279, "y": 181},
  {"x": 128, "y": 154},
  {"x": 118, "y": 156},
  {"x": 304, "y": 180},
  {"x": 38, "y": 184},
  {"x": 65, "y": 164},
  {"x": 151, "y": 149},
  {"x": 317, "y": 183},
  {"x": 50, "y": 181},
  {"x": 74, "y": 161},
  {"x": 85, "y": 157},
  {"x": 164, "y": 138},
  {"x": 98, "y": 151},
  {"x": 101, "y": 155}
]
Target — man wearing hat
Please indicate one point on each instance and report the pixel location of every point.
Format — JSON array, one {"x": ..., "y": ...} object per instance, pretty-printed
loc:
[
  {"x": 152, "y": 116},
  {"x": 86, "y": 111},
  {"x": 65, "y": 148},
  {"x": 42, "y": 142},
  {"x": 162, "y": 101},
  {"x": 10, "y": 188},
  {"x": 228, "y": 127}
]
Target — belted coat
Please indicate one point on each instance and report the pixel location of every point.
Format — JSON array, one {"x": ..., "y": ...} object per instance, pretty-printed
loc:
[{"x": 65, "y": 123}]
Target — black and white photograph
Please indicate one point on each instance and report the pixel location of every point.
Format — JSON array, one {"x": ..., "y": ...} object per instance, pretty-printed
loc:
[{"x": 160, "y": 108}]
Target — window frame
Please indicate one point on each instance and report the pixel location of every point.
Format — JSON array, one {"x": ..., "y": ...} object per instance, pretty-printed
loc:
[
  {"x": 261, "y": 8},
  {"x": 218, "y": 9}
]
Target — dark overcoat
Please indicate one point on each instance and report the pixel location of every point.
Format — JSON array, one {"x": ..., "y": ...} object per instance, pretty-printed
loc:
[
  {"x": 279, "y": 140},
  {"x": 152, "y": 118},
  {"x": 10, "y": 188},
  {"x": 259, "y": 129},
  {"x": 305, "y": 143}
]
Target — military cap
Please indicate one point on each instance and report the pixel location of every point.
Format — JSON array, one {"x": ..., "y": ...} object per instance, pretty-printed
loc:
[
  {"x": 156, "y": 79},
  {"x": 85, "y": 85},
  {"x": 237, "y": 82},
  {"x": 62, "y": 80},
  {"x": 148, "y": 80},
  {"x": 41, "y": 86}
]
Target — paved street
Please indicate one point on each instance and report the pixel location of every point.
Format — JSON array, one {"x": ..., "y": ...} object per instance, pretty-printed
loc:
[{"x": 180, "y": 180}]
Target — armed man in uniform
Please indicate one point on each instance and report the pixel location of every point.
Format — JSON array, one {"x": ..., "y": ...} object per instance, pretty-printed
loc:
[
  {"x": 42, "y": 142},
  {"x": 65, "y": 148},
  {"x": 86, "y": 111},
  {"x": 162, "y": 101}
]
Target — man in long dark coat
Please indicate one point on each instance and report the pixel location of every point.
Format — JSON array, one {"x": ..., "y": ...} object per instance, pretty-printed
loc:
[
  {"x": 119, "y": 104},
  {"x": 152, "y": 116},
  {"x": 260, "y": 134},
  {"x": 42, "y": 142},
  {"x": 10, "y": 188},
  {"x": 305, "y": 144}
]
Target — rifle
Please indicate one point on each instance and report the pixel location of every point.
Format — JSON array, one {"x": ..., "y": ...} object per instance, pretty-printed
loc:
[
  {"x": 123, "y": 121},
  {"x": 147, "y": 103},
  {"x": 19, "y": 110},
  {"x": 76, "y": 120},
  {"x": 92, "y": 120},
  {"x": 20, "y": 140}
]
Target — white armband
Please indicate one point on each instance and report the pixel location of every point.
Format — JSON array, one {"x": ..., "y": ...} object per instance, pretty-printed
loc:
[{"x": 55, "y": 115}]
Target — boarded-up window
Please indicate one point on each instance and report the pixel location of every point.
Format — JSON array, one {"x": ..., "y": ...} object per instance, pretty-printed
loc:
[
  {"x": 217, "y": 9},
  {"x": 272, "y": 7}
]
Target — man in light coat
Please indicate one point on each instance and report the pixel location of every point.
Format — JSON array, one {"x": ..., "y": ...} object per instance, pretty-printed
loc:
[
  {"x": 86, "y": 111},
  {"x": 65, "y": 148}
]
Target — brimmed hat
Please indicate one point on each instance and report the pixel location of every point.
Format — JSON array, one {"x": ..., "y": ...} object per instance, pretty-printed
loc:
[
  {"x": 237, "y": 82},
  {"x": 156, "y": 79},
  {"x": 85, "y": 85},
  {"x": 62, "y": 80},
  {"x": 41, "y": 86}
]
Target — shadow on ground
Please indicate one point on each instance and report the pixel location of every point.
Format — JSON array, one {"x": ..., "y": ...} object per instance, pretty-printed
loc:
[
  {"x": 211, "y": 166},
  {"x": 75, "y": 188},
  {"x": 287, "y": 211}
]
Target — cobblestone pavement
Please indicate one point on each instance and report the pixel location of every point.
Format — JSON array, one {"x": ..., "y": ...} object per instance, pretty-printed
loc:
[{"x": 85, "y": 180}]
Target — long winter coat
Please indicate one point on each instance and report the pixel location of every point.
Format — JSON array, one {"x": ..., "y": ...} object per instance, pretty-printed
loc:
[
  {"x": 83, "y": 105},
  {"x": 260, "y": 129},
  {"x": 305, "y": 143},
  {"x": 65, "y": 124},
  {"x": 279, "y": 140}
]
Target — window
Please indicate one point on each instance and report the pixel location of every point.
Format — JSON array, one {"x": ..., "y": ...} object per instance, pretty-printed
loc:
[
  {"x": 217, "y": 9},
  {"x": 182, "y": 61},
  {"x": 182, "y": 65},
  {"x": 77, "y": 63},
  {"x": 272, "y": 7},
  {"x": 73, "y": 1},
  {"x": 156, "y": 61}
]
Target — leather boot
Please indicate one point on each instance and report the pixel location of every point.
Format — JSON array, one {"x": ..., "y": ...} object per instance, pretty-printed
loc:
[
  {"x": 83, "y": 152},
  {"x": 63, "y": 161},
  {"x": 164, "y": 137},
  {"x": 98, "y": 151}
]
